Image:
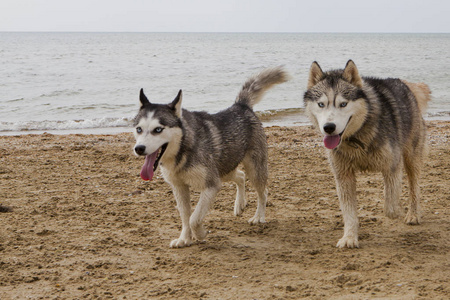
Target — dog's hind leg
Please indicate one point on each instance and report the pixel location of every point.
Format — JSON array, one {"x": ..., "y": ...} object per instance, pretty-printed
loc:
[
  {"x": 239, "y": 178},
  {"x": 260, "y": 214},
  {"x": 206, "y": 199},
  {"x": 181, "y": 193},
  {"x": 346, "y": 188},
  {"x": 412, "y": 167},
  {"x": 256, "y": 168},
  {"x": 392, "y": 191}
]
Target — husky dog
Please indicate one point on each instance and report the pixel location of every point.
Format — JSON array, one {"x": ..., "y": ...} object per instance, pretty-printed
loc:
[
  {"x": 369, "y": 124},
  {"x": 199, "y": 150}
]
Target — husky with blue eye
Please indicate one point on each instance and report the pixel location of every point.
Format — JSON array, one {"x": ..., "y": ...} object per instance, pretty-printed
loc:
[
  {"x": 197, "y": 150},
  {"x": 369, "y": 124}
]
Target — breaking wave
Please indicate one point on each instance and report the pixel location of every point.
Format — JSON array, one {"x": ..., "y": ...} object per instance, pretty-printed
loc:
[
  {"x": 64, "y": 125},
  {"x": 280, "y": 117}
]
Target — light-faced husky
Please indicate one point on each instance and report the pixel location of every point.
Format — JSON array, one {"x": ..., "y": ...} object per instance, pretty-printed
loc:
[
  {"x": 369, "y": 124},
  {"x": 199, "y": 150}
]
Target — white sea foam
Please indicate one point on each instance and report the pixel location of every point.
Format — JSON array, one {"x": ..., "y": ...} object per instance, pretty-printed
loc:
[{"x": 26, "y": 126}]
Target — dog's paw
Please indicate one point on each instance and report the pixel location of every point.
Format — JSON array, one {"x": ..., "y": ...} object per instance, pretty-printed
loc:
[
  {"x": 348, "y": 242},
  {"x": 180, "y": 243},
  {"x": 412, "y": 219},
  {"x": 198, "y": 232},
  {"x": 393, "y": 213},
  {"x": 257, "y": 219},
  {"x": 238, "y": 211},
  {"x": 239, "y": 207}
]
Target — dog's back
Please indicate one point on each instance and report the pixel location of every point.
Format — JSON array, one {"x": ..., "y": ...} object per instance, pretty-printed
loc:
[
  {"x": 396, "y": 114},
  {"x": 222, "y": 140},
  {"x": 421, "y": 92}
]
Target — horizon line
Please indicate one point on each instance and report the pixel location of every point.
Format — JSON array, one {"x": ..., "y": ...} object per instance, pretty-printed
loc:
[{"x": 216, "y": 32}]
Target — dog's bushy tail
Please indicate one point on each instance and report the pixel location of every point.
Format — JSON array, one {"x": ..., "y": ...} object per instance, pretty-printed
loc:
[
  {"x": 422, "y": 93},
  {"x": 255, "y": 87}
]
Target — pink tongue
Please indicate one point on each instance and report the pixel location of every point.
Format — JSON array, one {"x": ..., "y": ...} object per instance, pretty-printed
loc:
[
  {"x": 331, "y": 141},
  {"x": 147, "y": 168}
]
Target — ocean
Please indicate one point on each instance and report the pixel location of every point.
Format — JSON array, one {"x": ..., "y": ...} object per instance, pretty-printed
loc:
[{"x": 89, "y": 82}]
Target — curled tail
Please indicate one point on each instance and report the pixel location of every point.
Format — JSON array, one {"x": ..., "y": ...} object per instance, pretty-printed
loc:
[
  {"x": 255, "y": 87},
  {"x": 422, "y": 93}
]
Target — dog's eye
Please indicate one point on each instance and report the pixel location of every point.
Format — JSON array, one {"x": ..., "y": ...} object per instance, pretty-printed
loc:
[
  {"x": 343, "y": 104},
  {"x": 321, "y": 105},
  {"x": 158, "y": 130},
  {"x": 138, "y": 129}
]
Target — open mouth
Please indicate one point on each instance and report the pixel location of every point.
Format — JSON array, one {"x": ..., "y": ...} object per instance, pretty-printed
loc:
[{"x": 151, "y": 163}]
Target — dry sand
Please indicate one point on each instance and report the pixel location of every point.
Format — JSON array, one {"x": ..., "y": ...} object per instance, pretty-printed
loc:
[{"x": 77, "y": 222}]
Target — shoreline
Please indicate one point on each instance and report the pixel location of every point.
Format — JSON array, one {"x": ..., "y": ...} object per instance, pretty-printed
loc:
[{"x": 287, "y": 118}]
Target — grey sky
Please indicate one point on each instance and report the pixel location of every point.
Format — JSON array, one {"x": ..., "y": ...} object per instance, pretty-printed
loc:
[{"x": 226, "y": 15}]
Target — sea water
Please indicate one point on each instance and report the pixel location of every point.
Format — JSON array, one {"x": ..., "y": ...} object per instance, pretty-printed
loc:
[{"x": 90, "y": 82}]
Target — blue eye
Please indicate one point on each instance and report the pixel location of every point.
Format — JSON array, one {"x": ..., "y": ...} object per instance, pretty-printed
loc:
[
  {"x": 343, "y": 104},
  {"x": 158, "y": 130},
  {"x": 321, "y": 105},
  {"x": 138, "y": 129}
]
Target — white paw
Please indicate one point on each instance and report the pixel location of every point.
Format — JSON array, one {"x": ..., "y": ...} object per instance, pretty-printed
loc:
[
  {"x": 239, "y": 207},
  {"x": 180, "y": 243},
  {"x": 257, "y": 219},
  {"x": 198, "y": 232},
  {"x": 412, "y": 219},
  {"x": 348, "y": 241},
  {"x": 393, "y": 213}
]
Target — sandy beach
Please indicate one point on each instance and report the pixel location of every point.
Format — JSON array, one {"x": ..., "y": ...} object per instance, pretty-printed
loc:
[{"x": 77, "y": 222}]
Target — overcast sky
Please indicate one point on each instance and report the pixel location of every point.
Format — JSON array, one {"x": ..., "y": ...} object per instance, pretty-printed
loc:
[{"x": 226, "y": 15}]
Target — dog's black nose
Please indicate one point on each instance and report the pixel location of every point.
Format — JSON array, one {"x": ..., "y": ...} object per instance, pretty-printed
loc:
[
  {"x": 140, "y": 149},
  {"x": 329, "y": 128}
]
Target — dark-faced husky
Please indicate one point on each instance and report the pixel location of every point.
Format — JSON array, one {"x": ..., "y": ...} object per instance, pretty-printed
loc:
[
  {"x": 369, "y": 124},
  {"x": 199, "y": 150}
]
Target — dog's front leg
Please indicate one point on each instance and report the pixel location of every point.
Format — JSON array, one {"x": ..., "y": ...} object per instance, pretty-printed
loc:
[
  {"x": 346, "y": 188},
  {"x": 182, "y": 197},
  {"x": 206, "y": 199}
]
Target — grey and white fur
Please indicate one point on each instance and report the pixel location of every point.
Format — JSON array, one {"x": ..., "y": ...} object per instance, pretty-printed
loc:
[
  {"x": 199, "y": 151},
  {"x": 369, "y": 124}
]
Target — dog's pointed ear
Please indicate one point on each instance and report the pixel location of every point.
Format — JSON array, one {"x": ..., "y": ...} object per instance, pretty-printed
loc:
[
  {"x": 176, "y": 104},
  {"x": 315, "y": 75},
  {"x": 351, "y": 74},
  {"x": 143, "y": 99}
]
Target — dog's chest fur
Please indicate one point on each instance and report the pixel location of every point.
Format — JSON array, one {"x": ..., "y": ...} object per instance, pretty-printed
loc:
[
  {"x": 363, "y": 157},
  {"x": 194, "y": 177}
]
